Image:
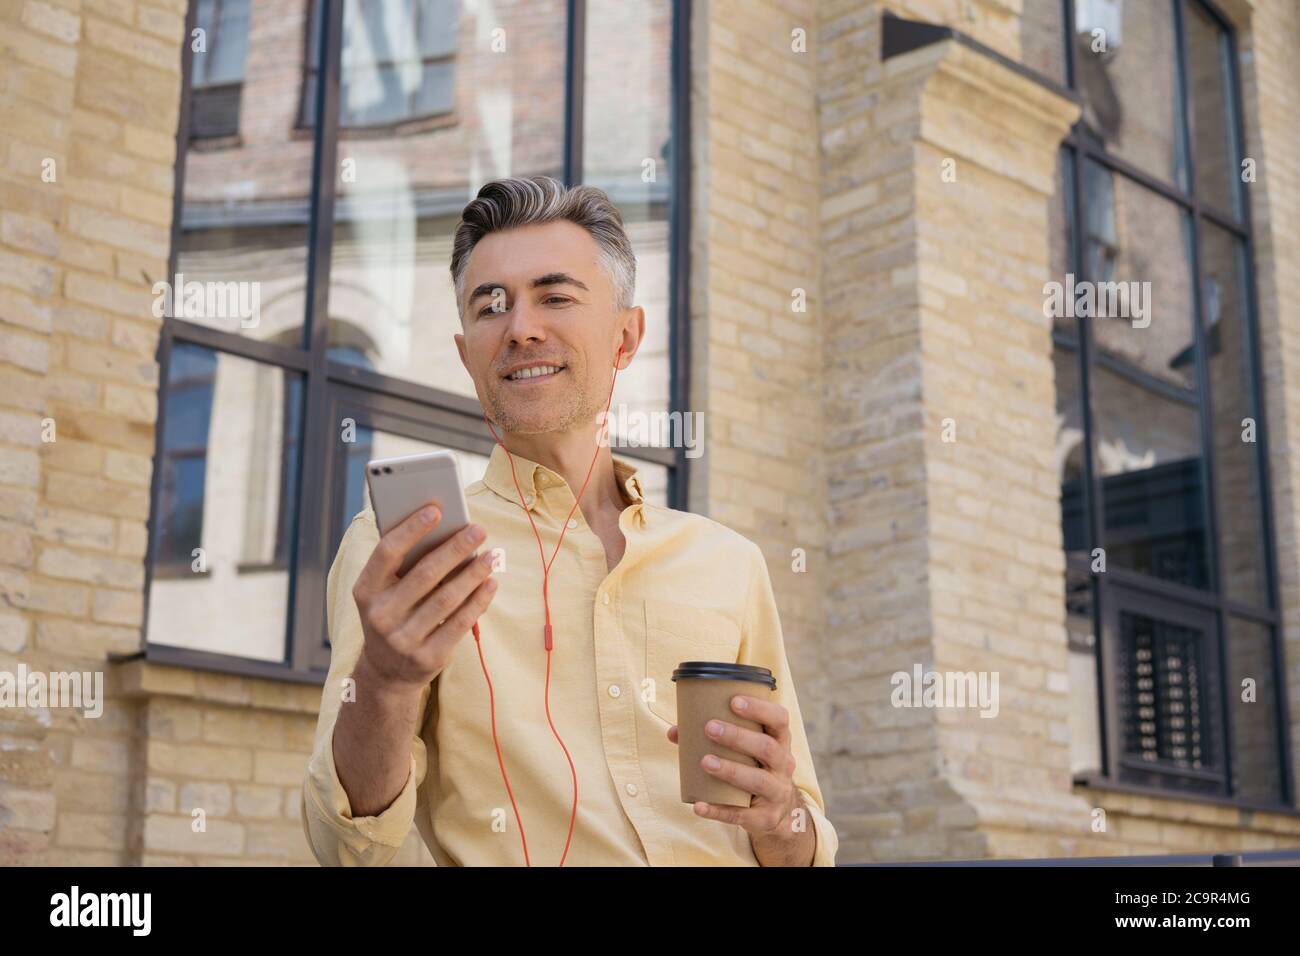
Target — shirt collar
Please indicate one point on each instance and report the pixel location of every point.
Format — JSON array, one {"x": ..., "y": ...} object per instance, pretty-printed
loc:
[{"x": 533, "y": 476}]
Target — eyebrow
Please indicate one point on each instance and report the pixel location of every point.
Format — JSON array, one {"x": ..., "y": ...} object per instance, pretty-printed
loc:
[{"x": 551, "y": 278}]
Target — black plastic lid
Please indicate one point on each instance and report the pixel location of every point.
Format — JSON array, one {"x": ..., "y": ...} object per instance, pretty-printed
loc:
[{"x": 717, "y": 670}]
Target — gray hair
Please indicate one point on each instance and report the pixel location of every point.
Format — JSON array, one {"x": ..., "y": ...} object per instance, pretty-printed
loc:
[{"x": 507, "y": 203}]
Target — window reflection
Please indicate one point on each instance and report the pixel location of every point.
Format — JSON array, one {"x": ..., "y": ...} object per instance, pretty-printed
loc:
[
  {"x": 217, "y": 70},
  {"x": 402, "y": 191},
  {"x": 247, "y": 184},
  {"x": 398, "y": 59},
  {"x": 229, "y": 471},
  {"x": 1148, "y": 450},
  {"x": 1126, "y": 72}
]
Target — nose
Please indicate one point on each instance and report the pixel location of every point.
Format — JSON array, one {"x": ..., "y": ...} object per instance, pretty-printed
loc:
[{"x": 526, "y": 324}]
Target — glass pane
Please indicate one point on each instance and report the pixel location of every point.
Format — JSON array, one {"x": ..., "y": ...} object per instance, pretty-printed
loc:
[
  {"x": 1126, "y": 72},
  {"x": 1148, "y": 450},
  {"x": 242, "y": 251},
  {"x": 1085, "y": 701},
  {"x": 227, "y": 46},
  {"x": 1218, "y": 169},
  {"x": 1252, "y": 692},
  {"x": 1070, "y": 447},
  {"x": 400, "y": 193},
  {"x": 1042, "y": 38},
  {"x": 1235, "y": 428},
  {"x": 229, "y": 484},
  {"x": 1085, "y": 698},
  {"x": 627, "y": 151}
]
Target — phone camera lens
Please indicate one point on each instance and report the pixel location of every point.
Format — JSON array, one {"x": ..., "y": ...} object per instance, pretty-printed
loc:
[{"x": 387, "y": 470}]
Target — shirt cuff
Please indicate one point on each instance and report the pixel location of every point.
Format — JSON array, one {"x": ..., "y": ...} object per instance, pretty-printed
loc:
[
  {"x": 328, "y": 804},
  {"x": 827, "y": 839}
]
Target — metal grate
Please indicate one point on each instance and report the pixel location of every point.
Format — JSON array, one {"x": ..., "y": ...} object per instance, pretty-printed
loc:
[{"x": 1165, "y": 707}]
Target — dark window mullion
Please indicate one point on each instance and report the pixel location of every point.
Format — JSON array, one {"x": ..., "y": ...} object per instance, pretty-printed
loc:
[
  {"x": 679, "y": 227},
  {"x": 1206, "y": 417},
  {"x": 311, "y": 560},
  {"x": 228, "y": 343},
  {"x": 575, "y": 72}
]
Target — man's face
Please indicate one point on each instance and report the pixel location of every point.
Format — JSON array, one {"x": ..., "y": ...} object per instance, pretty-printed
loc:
[{"x": 538, "y": 295}]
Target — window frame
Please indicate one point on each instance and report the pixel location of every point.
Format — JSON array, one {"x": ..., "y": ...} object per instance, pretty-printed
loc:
[
  {"x": 1116, "y": 585},
  {"x": 390, "y": 403}
]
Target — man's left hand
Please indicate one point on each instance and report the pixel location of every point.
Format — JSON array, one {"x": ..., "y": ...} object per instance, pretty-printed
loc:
[{"x": 769, "y": 819}]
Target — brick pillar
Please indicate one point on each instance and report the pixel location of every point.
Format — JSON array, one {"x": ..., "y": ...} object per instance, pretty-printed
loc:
[
  {"x": 945, "y": 547},
  {"x": 755, "y": 296}
]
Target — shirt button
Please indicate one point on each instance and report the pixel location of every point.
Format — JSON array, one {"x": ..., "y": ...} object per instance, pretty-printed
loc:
[
  {"x": 631, "y": 789},
  {"x": 604, "y": 598},
  {"x": 614, "y": 690},
  {"x": 529, "y": 501},
  {"x": 573, "y": 523}
]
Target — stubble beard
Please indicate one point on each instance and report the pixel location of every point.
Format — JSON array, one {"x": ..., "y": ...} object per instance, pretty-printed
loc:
[{"x": 565, "y": 409}]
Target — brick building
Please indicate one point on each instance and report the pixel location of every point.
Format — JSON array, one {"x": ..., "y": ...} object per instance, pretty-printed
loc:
[{"x": 845, "y": 214}]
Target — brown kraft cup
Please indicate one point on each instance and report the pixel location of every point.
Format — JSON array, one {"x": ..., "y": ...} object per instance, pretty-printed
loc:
[{"x": 704, "y": 690}]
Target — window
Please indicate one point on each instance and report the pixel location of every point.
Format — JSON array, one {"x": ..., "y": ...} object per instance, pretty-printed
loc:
[
  {"x": 188, "y": 394},
  {"x": 397, "y": 61},
  {"x": 1171, "y": 601},
  {"x": 314, "y": 328},
  {"x": 217, "y": 71}
]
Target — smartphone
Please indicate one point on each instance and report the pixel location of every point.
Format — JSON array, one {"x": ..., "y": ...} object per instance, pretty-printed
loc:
[{"x": 401, "y": 486}]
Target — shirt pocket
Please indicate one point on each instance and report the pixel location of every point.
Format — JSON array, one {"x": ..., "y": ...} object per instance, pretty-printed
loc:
[{"x": 680, "y": 632}]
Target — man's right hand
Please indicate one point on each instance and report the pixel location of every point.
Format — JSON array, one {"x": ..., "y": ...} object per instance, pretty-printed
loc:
[{"x": 413, "y": 623}]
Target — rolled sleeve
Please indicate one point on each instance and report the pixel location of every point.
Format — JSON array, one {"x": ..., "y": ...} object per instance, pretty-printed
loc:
[
  {"x": 336, "y": 837},
  {"x": 763, "y": 644},
  {"x": 339, "y": 838}
]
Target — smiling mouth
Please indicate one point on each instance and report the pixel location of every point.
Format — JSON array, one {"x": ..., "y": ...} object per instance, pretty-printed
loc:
[{"x": 542, "y": 373}]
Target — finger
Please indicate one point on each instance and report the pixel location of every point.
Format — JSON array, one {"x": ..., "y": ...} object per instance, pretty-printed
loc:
[
  {"x": 771, "y": 715},
  {"x": 672, "y": 733},
  {"x": 432, "y": 569},
  {"x": 756, "y": 780},
  {"x": 443, "y": 602},
  {"x": 753, "y": 743},
  {"x": 738, "y": 816},
  {"x": 440, "y": 643},
  {"x": 392, "y": 548}
]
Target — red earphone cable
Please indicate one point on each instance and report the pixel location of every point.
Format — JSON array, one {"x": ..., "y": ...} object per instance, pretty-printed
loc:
[{"x": 547, "y": 632}]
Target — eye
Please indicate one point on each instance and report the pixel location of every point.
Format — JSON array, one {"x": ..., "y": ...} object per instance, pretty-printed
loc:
[
  {"x": 556, "y": 298},
  {"x": 487, "y": 308}
]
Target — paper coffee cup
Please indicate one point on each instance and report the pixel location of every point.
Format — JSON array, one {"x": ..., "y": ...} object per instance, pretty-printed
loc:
[{"x": 704, "y": 690}]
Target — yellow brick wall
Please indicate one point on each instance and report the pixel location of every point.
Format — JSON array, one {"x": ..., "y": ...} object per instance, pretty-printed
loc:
[{"x": 756, "y": 359}]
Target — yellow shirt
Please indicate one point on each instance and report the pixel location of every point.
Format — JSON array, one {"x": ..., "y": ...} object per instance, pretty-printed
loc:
[{"x": 686, "y": 588}]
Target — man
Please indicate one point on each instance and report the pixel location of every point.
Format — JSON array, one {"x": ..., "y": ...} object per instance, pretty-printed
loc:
[{"x": 544, "y": 278}]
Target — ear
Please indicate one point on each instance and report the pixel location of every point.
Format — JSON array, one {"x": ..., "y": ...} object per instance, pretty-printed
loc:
[
  {"x": 460, "y": 348},
  {"x": 632, "y": 334}
]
